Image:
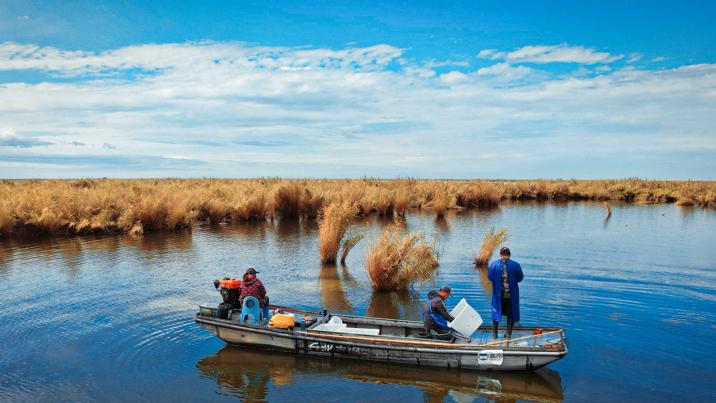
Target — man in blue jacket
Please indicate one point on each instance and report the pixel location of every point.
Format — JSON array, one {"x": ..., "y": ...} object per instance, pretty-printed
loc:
[
  {"x": 504, "y": 275},
  {"x": 435, "y": 314}
]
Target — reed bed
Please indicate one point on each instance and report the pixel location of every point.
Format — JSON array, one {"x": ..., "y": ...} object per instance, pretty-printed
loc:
[
  {"x": 396, "y": 260},
  {"x": 492, "y": 240},
  {"x": 332, "y": 227},
  {"x": 32, "y": 207}
]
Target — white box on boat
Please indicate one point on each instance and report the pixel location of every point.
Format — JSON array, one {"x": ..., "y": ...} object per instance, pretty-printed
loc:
[
  {"x": 330, "y": 327},
  {"x": 336, "y": 325},
  {"x": 361, "y": 330},
  {"x": 343, "y": 328},
  {"x": 467, "y": 320}
]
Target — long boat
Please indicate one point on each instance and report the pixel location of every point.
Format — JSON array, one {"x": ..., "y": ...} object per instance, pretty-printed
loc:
[{"x": 395, "y": 341}]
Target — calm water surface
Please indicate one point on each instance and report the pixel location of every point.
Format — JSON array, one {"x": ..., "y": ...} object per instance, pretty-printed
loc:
[{"x": 111, "y": 318}]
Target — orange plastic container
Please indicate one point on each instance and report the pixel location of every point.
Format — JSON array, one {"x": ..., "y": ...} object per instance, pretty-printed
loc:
[{"x": 230, "y": 283}]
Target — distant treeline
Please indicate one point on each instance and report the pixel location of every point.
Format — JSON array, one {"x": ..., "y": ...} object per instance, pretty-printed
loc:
[{"x": 29, "y": 207}]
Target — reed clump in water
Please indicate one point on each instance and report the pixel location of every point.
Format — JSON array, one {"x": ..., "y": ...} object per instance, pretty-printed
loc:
[
  {"x": 441, "y": 202},
  {"x": 396, "y": 261},
  {"x": 331, "y": 229},
  {"x": 348, "y": 245},
  {"x": 84, "y": 206},
  {"x": 401, "y": 202},
  {"x": 492, "y": 240}
]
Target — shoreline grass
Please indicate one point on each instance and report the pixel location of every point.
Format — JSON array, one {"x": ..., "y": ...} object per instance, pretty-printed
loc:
[{"x": 87, "y": 206}]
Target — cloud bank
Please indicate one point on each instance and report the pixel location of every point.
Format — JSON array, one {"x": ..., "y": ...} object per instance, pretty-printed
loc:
[
  {"x": 229, "y": 109},
  {"x": 552, "y": 54}
]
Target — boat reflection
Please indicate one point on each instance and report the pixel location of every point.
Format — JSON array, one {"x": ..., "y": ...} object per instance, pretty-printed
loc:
[{"x": 251, "y": 374}]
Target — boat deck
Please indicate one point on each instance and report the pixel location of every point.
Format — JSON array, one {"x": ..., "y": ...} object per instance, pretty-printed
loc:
[{"x": 387, "y": 329}]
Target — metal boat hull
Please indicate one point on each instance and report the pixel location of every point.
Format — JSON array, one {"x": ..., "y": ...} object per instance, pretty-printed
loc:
[{"x": 311, "y": 344}]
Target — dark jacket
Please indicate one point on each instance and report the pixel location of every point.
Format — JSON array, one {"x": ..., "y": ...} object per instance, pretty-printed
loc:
[
  {"x": 437, "y": 306},
  {"x": 253, "y": 287},
  {"x": 514, "y": 276}
]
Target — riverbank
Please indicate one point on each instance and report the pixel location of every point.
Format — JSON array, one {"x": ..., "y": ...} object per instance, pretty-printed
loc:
[{"x": 85, "y": 206}]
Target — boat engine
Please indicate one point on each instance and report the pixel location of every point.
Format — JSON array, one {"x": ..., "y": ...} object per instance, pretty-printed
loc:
[{"x": 230, "y": 293}]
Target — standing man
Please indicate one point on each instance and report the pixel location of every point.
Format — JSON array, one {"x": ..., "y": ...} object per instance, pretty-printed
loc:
[{"x": 504, "y": 275}]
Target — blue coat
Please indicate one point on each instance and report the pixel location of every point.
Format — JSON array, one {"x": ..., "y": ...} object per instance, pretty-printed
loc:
[{"x": 514, "y": 276}]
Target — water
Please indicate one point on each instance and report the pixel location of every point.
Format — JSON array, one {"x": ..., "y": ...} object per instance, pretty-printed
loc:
[{"x": 110, "y": 318}]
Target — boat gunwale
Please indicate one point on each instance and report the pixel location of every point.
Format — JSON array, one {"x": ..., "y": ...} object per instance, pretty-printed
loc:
[{"x": 413, "y": 322}]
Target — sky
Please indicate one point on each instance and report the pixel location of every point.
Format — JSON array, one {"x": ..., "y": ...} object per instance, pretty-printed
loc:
[{"x": 327, "y": 89}]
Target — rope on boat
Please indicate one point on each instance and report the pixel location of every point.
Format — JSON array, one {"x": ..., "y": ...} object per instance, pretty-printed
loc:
[
  {"x": 518, "y": 338},
  {"x": 421, "y": 342}
]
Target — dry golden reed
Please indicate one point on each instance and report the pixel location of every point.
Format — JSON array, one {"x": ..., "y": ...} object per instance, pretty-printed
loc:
[
  {"x": 332, "y": 225},
  {"x": 492, "y": 240},
  {"x": 31, "y": 207},
  {"x": 348, "y": 245},
  {"x": 396, "y": 261}
]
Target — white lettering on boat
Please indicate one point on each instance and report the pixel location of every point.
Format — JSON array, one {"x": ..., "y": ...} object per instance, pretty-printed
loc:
[{"x": 337, "y": 348}]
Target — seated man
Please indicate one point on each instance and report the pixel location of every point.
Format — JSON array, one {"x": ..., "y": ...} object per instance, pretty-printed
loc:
[
  {"x": 435, "y": 314},
  {"x": 252, "y": 286}
]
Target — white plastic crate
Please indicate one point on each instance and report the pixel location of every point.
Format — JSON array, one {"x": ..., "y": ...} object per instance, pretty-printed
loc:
[{"x": 467, "y": 320}]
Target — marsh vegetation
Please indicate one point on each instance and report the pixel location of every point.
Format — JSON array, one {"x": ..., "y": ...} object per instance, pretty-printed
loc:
[
  {"x": 490, "y": 243},
  {"x": 31, "y": 207},
  {"x": 397, "y": 260}
]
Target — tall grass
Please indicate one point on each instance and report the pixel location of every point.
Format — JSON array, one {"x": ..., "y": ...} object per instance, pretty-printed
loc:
[
  {"x": 331, "y": 229},
  {"x": 396, "y": 261},
  {"x": 441, "y": 202},
  {"x": 402, "y": 202},
  {"x": 84, "y": 206},
  {"x": 492, "y": 240}
]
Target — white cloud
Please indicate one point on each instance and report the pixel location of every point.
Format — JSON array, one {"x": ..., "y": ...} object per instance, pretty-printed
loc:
[
  {"x": 8, "y": 138},
  {"x": 487, "y": 53},
  {"x": 505, "y": 71},
  {"x": 634, "y": 57},
  {"x": 193, "y": 55},
  {"x": 431, "y": 64},
  {"x": 542, "y": 54},
  {"x": 236, "y": 110}
]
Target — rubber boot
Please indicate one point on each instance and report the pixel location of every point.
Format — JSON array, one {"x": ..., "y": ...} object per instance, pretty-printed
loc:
[
  {"x": 494, "y": 329},
  {"x": 510, "y": 324}
]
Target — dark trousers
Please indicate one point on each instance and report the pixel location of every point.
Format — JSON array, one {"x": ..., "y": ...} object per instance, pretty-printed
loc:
[{"x": 506, "y": 311}]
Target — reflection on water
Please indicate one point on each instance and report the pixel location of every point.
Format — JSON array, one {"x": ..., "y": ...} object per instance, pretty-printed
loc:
[
  {"x": 251, "y": 374},
  {"x": 110, "y": 318},
  {"x": 485, "y": 281},
  {"x": 333, "y": 293},
  {"x": 396, "y": 304},
  {"x": 441, "y": 223},
  {"x": 287, "y": 230}
]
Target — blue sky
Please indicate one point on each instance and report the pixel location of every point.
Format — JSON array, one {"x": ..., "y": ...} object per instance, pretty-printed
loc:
[{"x": 349, "y": 89}]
